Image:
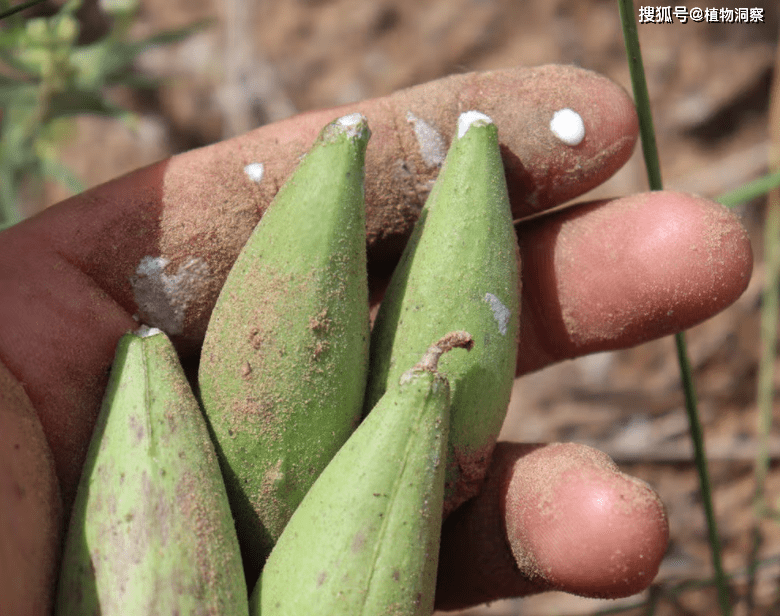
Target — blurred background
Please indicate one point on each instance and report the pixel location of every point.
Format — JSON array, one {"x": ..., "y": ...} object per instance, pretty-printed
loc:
[{"x": 710, "y": 88}]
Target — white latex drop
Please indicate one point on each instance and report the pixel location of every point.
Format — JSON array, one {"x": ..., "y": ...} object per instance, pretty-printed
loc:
[
  {"x": 471, "y": 117},
  {"x": 567, "y": 125}
]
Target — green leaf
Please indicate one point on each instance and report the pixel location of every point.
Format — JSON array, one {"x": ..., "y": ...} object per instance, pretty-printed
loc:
[
  {"x": 110, "y": 61},
  {"x": 70, "y": 7},
  {"x": 139, "y": 81},
  {"x": 44, "y": 78},
  {"x": 16, "y": 136},
  {"x": 9, "y": 199},
  {"x": 173, "y": 36},
  {"x": 76, "y": 102},
  {"x": 19, "y": 7},
  {"x": 93, "y": 63},
  {"x": 55, "y": 170},
  {"x": 120, "y": 8},
  {"x": 17, "y": 92},
  {"x": 16, "y": 64}
]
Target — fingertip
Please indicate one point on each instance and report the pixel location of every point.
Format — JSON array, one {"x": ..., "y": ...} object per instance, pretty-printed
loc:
[
  {"x": 578, "y": 525},
  {"x": 616, "y": 273},
  {"x": 551, "y": 517},
  {"x": 563, "y": 129},
  {"x": 546, "y": 162},
  {"x": 690, "y": 258}
]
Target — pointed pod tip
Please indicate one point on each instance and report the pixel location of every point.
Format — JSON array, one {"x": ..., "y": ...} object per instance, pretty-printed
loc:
[
  {"x": 353, "y": 125},
  {"x": 471, "y": 118}
]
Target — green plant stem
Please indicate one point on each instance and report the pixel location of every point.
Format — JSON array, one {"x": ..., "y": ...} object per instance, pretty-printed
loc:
[
  {"x": 751, "y": 190},
  {"x": 652, "y": 163},
  {"x": 641, "y": 95},
  {"x": 659, "y": 594},
  {"x": 770, "y": 312},
  {"x": 19, "y": 7},
  {"x": 700, "y": 455}
]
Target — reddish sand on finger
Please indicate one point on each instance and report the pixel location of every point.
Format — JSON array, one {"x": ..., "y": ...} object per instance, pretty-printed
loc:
[
  {"x": 611, "y": 274},
  {"x": 551, "y": 517},
  {"x": 577, "y": 524}
]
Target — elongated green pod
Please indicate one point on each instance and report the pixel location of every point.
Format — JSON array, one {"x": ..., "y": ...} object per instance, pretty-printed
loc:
[
  {"x": 151, "y": 530},
  {"x": 458, "y": 271},
  {"x": 365, "y": 540},
  {"x": 284, "y": 361}
]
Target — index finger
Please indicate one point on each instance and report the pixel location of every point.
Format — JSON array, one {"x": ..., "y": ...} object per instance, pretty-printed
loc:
[{"x": 203, "y": 204}]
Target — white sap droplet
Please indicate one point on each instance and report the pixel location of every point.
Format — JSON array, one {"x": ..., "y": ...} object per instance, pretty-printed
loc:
[
  {"x": 147, "y": 332},
  {"x": 353, "y": 124},
  {"x": 351, "y": 120},
  {"x": 162, "y": 299},
  {"x": 468, "y": 118},
  {"x": 500, "y": 312},
  {"x": 433, "y": 149},
  {"x": 255, "y": 172},
  {"x": 567, "y": 125}
]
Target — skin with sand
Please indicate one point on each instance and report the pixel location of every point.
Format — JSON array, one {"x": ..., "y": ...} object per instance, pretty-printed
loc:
[{"x": 66, "y": 279}]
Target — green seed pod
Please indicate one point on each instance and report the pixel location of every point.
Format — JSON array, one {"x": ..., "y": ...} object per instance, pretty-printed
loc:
[
  {"x": 458, "y": 271},
  {"x": 284, "y": 361},
  {"x": 365, "y": 540},
  {"x": 151, "y": 530}
]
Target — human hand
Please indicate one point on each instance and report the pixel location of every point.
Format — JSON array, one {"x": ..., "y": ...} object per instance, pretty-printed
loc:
[{"x": 158, "y": 243}]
